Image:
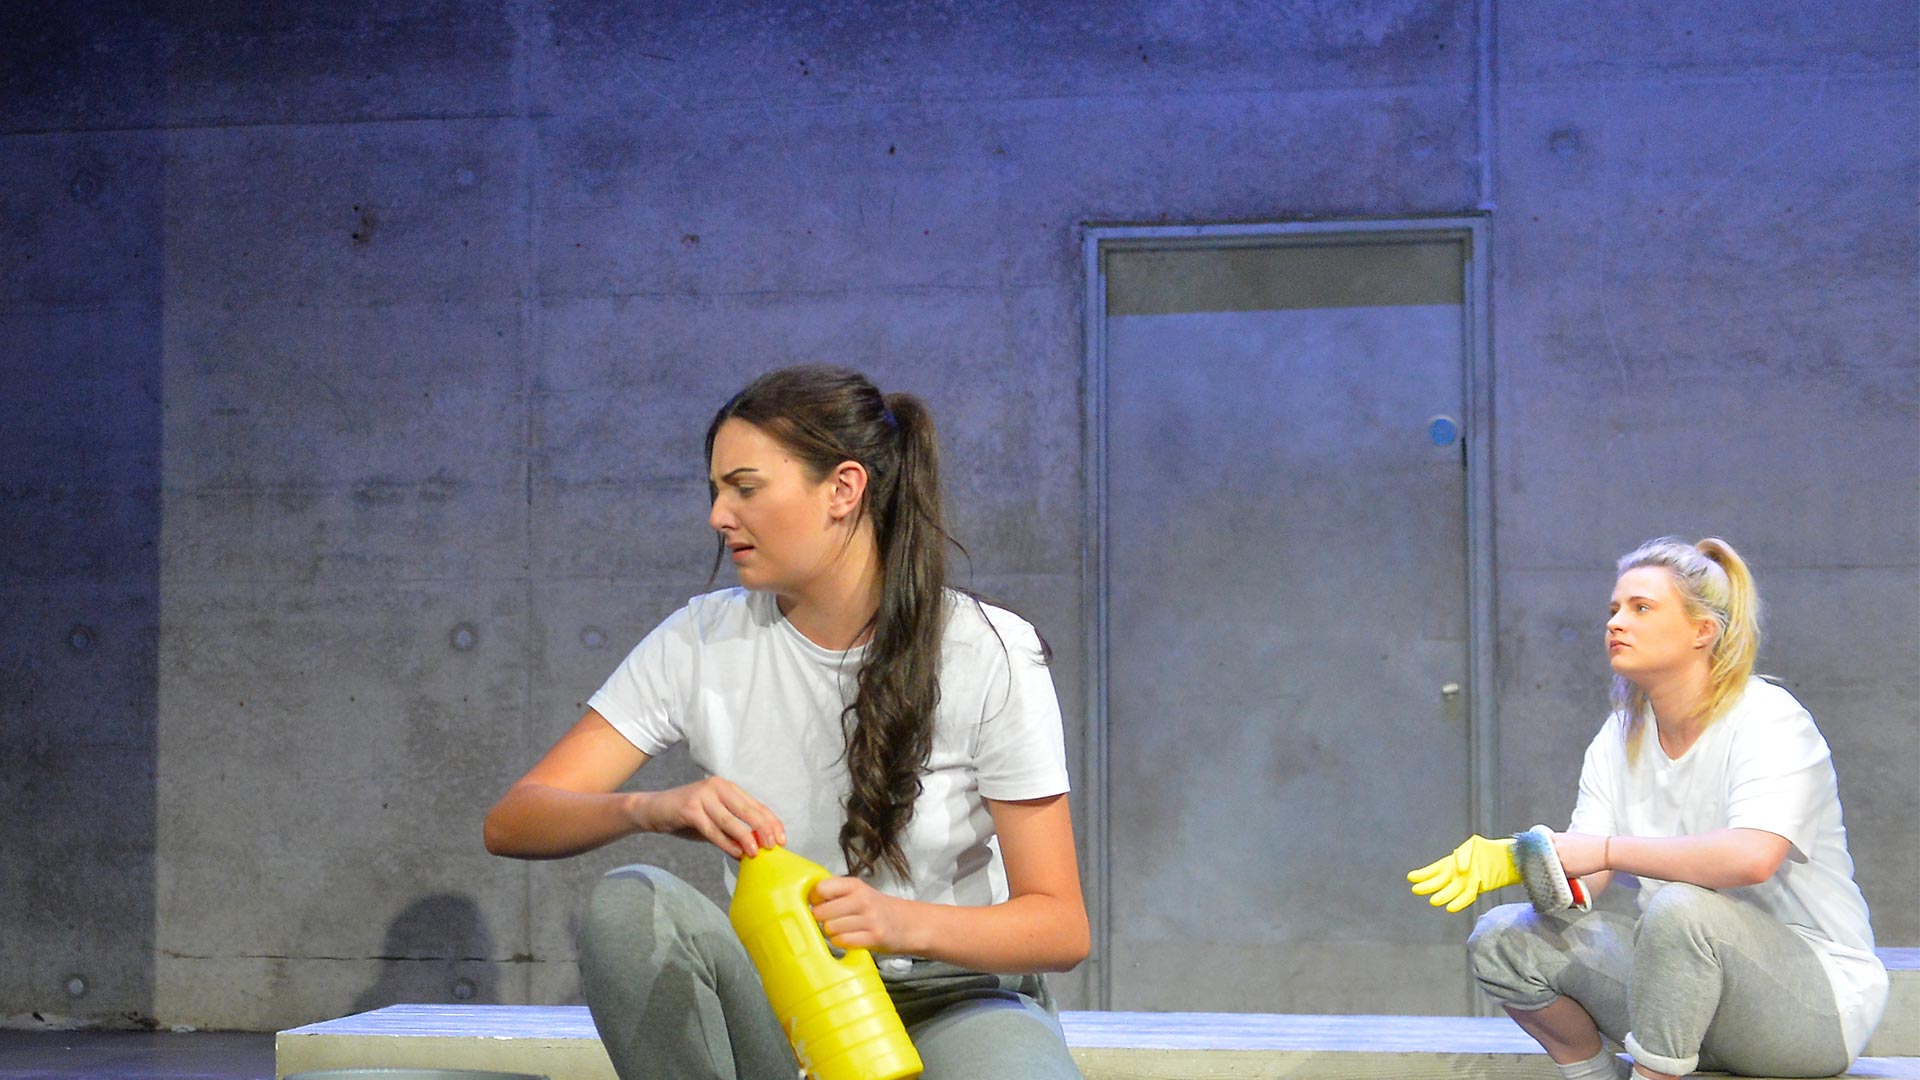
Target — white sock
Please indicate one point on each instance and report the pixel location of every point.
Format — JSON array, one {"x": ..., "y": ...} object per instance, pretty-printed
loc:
[{"x": 1601, "y": 1066}]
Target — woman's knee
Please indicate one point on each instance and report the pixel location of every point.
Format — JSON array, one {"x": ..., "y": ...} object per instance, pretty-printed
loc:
[
  {"x": 1680, "y": 912},
  {"x": 631, "y": 906},
  {"x": 1499, "y": 932},
  {"x": 1503, "y": 951},
  {"x": 993, "y": 1036},
  {"x": 624, "y": 896}
]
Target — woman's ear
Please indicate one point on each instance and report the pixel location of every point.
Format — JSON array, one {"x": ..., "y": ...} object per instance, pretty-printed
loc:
[
  {"x": 1704, "y": 633},
  {"x": 849, "y": 485}
]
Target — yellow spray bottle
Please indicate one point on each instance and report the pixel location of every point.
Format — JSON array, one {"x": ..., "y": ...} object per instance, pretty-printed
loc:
[{"x": 841, "y": 1022}]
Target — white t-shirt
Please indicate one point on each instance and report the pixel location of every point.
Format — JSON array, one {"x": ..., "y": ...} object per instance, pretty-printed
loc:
[
  {"x": 760, "y": 705},
  {"x": 1761, "y": 766}
]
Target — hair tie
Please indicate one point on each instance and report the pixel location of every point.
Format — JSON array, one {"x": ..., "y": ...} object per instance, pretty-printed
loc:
[{"x": 887, "y": 415}]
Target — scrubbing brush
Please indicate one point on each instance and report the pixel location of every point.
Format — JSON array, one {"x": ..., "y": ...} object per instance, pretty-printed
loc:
[
  {"x": 1542, "y": 875},
  {"x": 1480, "y": 866}
]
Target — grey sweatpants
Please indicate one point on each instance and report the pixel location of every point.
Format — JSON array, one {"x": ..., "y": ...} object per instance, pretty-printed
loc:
[
  {"x": 673, "y": 995},
  {"x": 1698, "y": 981}
]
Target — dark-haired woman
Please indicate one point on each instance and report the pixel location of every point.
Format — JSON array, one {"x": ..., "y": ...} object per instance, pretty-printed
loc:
[{"x": 845, "y": 703}]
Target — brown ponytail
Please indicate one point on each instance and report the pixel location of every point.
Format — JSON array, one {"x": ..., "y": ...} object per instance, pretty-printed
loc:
[{"x": 825, "y": 416}]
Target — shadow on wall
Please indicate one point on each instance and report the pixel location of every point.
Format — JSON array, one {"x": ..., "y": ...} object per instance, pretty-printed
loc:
[{"x": 437, "y": 951}]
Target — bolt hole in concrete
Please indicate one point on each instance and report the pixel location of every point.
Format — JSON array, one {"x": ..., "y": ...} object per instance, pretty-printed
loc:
[
  {"x": 362, "y": 234},
  {"x": 463, "y": 637},
  {"x": 80, "y": 638},
  {"x": 85, "y": 188}
]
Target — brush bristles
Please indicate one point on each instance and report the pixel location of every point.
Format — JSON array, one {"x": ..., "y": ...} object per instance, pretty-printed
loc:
[{"x": 1540, "y": 871}]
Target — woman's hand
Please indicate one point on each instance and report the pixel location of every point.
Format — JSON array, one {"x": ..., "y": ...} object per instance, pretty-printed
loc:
[
  {"x": 1041, "y": 926},
  {"x": 1581, "y": 853},
  {"x": 715, "y": 810},
  {"x": 855, "y": 915}
]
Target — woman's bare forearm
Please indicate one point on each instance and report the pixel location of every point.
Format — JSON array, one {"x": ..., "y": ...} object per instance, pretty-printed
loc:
[
  {"x": 1026, "y": 933},
  {"x": 1722, "y": 859},
  {"x": 538, "y": 821}
]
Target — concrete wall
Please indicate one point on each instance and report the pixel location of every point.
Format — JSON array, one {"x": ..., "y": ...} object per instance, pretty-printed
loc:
[
  {"x": 355, "y": 359},
  {"x": 1705, "y": 302}
]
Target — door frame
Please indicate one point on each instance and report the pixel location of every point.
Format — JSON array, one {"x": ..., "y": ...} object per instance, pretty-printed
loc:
[{"x": 1477, "y": 398}]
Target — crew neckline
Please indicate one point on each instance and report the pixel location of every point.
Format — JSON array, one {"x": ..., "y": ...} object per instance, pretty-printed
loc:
[
  {"x": 770, "y": 605},
  {"x": 1710, "y": 734}
]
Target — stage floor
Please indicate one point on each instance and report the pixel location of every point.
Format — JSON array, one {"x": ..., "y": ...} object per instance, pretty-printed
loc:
[{"x": 146, "y": 1055}]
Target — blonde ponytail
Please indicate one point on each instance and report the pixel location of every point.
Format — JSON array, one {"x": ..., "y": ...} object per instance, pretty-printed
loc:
[{"x": 1714, "y": 583}]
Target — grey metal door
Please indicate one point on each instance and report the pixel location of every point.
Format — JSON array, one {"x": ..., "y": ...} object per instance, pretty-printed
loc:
[{"x": 1287, "y": 656}]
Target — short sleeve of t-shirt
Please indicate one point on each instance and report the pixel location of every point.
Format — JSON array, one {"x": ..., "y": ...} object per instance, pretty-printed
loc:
[
  {"x": 1778, "y": 773},
  {"x": 1594, "y": 812},
  {"x": 643, "y": 699},
  {"x": 1020, "y": 751}
]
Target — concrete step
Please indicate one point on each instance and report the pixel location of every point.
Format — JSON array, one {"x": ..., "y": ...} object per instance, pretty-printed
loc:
[
  {"x": 1183, "y": 1046},
  {"x": 559, "y": 1042},
  {"x": 556, "y": 1041}
]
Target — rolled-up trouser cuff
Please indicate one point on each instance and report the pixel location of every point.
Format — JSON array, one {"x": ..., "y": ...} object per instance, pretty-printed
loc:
[{"x": 1672, "y": 1066}]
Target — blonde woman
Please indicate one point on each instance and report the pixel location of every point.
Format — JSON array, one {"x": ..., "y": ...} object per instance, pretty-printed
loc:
[{"x": 1735, "y": 938}]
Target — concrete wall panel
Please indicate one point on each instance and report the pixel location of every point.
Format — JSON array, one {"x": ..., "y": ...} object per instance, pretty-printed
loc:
[
  {"x": 80, "y": 484},
  {"x": 731, "y": 201},
  {"x": 123, "y": 65},
  {"x": 346, "y": 214},
  {"x": 391, "y": 698},
  {"x": 1697, "y": 455},
  {"x": 81, "y": 219},
  {"x": 80, "y": 451},
  {"x": 77, "y": 431},
  {"x": 956, "y": 195},
  {"x": 76, "y": 798},
  {"x": 1569, "y": 40},
  {"x": 1718, "y": 193},
  {"x": 424, "y": 408},
  {"x": 271, "y": 993},
  {"x": 814, "y": 54}
]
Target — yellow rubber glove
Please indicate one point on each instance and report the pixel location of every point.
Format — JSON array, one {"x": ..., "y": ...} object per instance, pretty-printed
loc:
[{"x": 1477, "y": 866}]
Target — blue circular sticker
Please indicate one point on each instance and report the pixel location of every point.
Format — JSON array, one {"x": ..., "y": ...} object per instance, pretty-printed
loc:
[{"x": 1443, "y": 430}]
